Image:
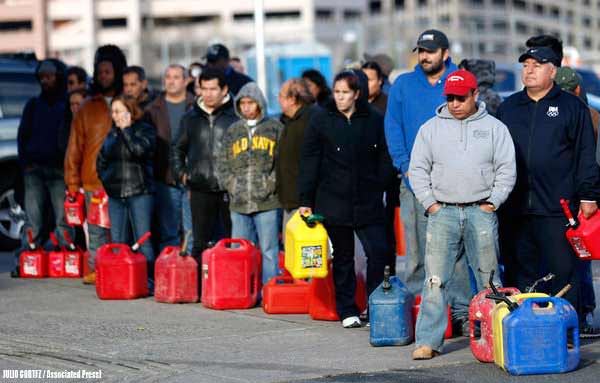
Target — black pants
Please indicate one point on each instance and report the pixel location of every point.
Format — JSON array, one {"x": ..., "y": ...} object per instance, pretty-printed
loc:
[
  {"x": 208, "y": 211},
  {"x": 374, "y": 241},
  {"x": 392, "y": 201},
  {"x": 533, "y": 246}
]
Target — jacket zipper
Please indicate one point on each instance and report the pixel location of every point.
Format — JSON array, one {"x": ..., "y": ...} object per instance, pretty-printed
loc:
[
  {"x": 529, "y": 144},
  {"x": 211, "y": 125}
]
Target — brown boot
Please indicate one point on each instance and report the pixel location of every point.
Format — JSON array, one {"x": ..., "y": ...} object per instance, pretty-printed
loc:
[
  {"x": 424, "y": 352},
  {"x": 90, "y": 279}
]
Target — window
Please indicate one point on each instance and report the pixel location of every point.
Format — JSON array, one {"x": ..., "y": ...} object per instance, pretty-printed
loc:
[
  {"x": 15, "y": 90},
  {"x": 539, "y": 9},
  {"x": 500, "y": 48},
  {"x": 519, "y": 4},
  {"x": 499, "y": 3},
  {"x": 324, "y": 14},
  {"x": 587, "y": 21},
  {"x": 444, "y": 19},
  {"x": 282, "y": 15},
  {"x": 399, "y": 4},
  {"x": 375, "y": 7},
  {"x": 521, "y": 27},
  {"x": 180, "y": 21},
  {"x": 351, "y": 14},
  {"x": 12, "y": 26},
  {"x": 587, "y": 42},
  {"x": 422, "y": 3},
  {"x": 555, "y": 12},
  {"x": 500, "y": 25},
  {"x": 246, "y": 16},
  {"x": 114, "y": 23}
]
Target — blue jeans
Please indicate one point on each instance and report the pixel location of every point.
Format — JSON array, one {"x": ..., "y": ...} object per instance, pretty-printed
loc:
[
  {"x": 137, "y": 212},
  {"x": 45, "y": 186},
  {"x": 415, "y": 227},
  {"x": 174, "y": 214},
  {"x": 261, "y": 228},
  {"x": 97, "y": 235},
  {"x": 449, "y": 230}
]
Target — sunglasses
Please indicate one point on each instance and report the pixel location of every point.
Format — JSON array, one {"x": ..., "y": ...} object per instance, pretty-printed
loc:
[{"x": 452, "y": 97}]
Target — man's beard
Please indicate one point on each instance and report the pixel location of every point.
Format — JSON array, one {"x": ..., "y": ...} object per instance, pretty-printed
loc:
[{"x": 434, "y": 69}]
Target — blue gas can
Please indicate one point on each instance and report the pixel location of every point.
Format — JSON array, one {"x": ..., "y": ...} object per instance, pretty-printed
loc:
[
  {"x": 390, "y": 313},
  {"x": 535, "y": 337}
]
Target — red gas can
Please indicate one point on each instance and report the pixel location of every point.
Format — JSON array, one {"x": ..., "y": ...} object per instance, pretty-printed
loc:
[
  {"x": 480, "y": 313},
  {"x": 75, "y": 208},
  {"x": 33, "y": 263},
  {"x": 285, "y": 295},
  {"x": 121, "y": 271},
  {"x": 56, "y": 259},
  {"x": 231, "y": 275},
  {"x": 583, "y": 234},
  {"x": 176, "y": 276},
  {"x": 416, "y": 307},
  {"x": 98, "y": 210},
  {"x": 321, "y": 297},
  {"x": 73, "y": 259}
]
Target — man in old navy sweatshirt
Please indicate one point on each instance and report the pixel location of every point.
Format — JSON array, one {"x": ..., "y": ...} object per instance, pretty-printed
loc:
[{"x": 412, "y": 101}]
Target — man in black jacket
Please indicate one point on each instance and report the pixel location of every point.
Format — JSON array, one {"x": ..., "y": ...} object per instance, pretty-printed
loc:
[
  {"x": 194, "y": 156},
  {"x": 217, "y": 57},
  {"x": 554, "y": 145}
]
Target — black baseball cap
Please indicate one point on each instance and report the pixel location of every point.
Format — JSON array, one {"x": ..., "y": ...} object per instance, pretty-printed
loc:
[
  {"x": 542, "y": 55},
  {"x": 431, "y": 40},
  {"x": 216, "y": 52}
]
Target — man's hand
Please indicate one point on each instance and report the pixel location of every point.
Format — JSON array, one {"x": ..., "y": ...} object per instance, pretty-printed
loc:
[
  {"x": 305, "y": 211},
  {"x": 434, "y": 208},
  {"x": 588, "y": 209},
  {"x": 487, "y": 207}
]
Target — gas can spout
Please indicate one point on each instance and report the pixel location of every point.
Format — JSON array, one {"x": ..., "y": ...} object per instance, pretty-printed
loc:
[{"x": 386, "y": 279}]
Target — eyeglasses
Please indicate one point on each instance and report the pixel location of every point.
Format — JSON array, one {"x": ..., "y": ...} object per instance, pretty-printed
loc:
[{"x": 452, "y": 97}]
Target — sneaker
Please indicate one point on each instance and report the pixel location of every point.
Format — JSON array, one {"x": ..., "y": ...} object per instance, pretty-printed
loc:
[
  {"x": 351, "y": 322},
  {"x": 465, "y": 328},
  {"x": 587, "y": 331},
  {"x": 90, "y": 279},
  {"x": 424, "y": 353},
  {"x": 364, "y": 316}
]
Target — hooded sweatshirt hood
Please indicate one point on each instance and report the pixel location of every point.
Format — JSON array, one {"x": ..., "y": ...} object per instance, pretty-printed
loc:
[
  {"x": 442, "y": 111},
  {"x": 60, "y": 88},
  {"x": 251, "y": 90}
]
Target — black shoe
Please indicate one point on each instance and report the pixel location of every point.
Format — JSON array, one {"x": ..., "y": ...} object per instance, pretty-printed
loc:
[
  {"x": 15, "y": 274},
  {"x": 587, "y": 331}
]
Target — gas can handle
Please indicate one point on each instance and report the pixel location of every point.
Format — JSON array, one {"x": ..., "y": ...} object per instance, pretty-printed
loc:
[
  {"x": 527, "y": 303},
  {"x": 140, "y": 241},
  {"x": 228, "y": 241},
  {"x": 283, "y": 278},
  {"x": 30, "y": 238},
  {"x": 565, "y": 206}
]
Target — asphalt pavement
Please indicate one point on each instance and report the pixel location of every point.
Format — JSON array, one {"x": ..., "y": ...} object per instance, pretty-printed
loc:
[{"x": 58, "y": 326}]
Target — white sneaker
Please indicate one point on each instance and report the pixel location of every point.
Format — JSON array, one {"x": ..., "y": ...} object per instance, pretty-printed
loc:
[{"x": 351, "y": 322}]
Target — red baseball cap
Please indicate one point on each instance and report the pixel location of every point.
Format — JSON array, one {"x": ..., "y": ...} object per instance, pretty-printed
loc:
[{"x": 460, "y": 82}]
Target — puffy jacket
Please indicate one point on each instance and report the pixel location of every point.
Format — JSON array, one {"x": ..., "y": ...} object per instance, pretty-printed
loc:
[
  {"x": 158, "y": 115},
  {"x": 88, "y": 130},
  {"x": 125, "y": 162},
  {"x": 345, "y": 165},
  {"x": 554, "y": 147},
  {"x": 196, "y": 151},
  {"x": 246, "y": 166}
]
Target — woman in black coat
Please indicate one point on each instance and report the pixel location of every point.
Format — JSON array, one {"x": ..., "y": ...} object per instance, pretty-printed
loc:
[
  {"x": 344, "y": 169},
  {"x": 124, "y": 166}
]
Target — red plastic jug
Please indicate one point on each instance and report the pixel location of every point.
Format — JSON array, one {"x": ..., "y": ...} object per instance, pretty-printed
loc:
[
  {"x": 321, "y": 297},
  {"x": 73, "y": 259},
  {"x": 121, "y": 271},
  {"x": 583, "y": 234},
  {"x": 98, "y": 211},
  {"x": 480, "y": 312},
  {"x": 56, "y": 259},
  {"x": 176, "y": 275},
  {"x": 285, "y": 295},
  {"x": 33, "y": 263},
  {"x": 281, "y": 264},
  {"x": 75, "y": 208},
  {"x": 231, "y": 276},
  {"x": 448, "y": 333}
]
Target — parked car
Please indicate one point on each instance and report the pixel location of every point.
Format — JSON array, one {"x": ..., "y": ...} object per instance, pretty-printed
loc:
[{"x": 17, "y": 85}]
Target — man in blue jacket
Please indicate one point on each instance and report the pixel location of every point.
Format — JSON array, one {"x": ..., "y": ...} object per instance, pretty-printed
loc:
[
  {"x": 554, "y": 146},
  {"x": 412, "y": 101}
]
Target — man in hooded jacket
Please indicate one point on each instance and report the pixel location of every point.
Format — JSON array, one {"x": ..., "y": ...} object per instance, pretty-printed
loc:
[
  {"x": 41, "y": 151},
  {"x": 88, "y": 130},
  {"x": 246, "y": 169}
]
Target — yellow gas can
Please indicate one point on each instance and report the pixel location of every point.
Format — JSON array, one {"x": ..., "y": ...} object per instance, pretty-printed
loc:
[
  {"x": 306, "y": 245},
  {"x": 498, "y": 313}
]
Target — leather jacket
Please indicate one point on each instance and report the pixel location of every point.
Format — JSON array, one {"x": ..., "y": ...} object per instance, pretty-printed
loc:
[
  {"x": 125, "y": 161},
  {"x": 200, "y": 141}
]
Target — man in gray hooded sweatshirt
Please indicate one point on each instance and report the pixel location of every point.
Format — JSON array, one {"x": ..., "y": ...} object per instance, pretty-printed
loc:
[
  {"x": 246, "y": 169},
  {"x": 462, "y": 167}
]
